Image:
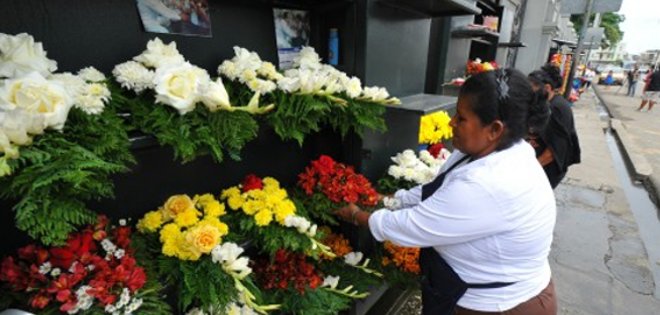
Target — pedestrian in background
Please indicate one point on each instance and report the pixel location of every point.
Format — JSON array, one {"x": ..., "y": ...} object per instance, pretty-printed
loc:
[
  {"x": 557, "y": 146},
  {"x": 633, "y": 77},
  {"x": 651, "y": 89}
]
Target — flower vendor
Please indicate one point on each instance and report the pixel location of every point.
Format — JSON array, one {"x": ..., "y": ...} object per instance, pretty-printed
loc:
[{"x": 485, "y": 223}]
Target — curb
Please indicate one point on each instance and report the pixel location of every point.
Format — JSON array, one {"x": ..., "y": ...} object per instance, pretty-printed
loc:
[{"x": 631, "y": 152}]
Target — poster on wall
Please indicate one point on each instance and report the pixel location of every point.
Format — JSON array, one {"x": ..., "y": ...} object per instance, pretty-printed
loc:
[
  {"x": 291, "y": 33},
  {"x": 184, "y": 17}
]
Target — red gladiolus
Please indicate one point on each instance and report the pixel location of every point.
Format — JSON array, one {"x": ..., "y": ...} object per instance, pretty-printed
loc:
[
  {"x": 252, "y": 182},
  {"x": 77, "y": 246},
  {"x": 122, "y": 236},
  {"x": 288, "y": 270},
  {"x": 435, "y": 149}
]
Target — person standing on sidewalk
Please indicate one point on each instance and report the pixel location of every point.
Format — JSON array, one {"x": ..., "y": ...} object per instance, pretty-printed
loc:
[
  {"x": 633, "y": 77},
  {"x": 485, "y": 223},
  {"x": 557, "y": 146},
  {"x": 652, "y": 89}
]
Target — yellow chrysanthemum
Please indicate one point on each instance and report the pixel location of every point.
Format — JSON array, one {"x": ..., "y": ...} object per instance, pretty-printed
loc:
[
  {"x": 435, "y": 127},
  {"x": 214, "y": 221},
  {"x": 230, "y": 192},
  {"x": 187, "y": 218},
  {"x": 256, "y": 194},
  {"x": 203, "y": 237},
  {"x": 203, "y": 199},
  {"x": 235, "y": 202},
  {"x": 251, "y": 207},
  {"x": 270, "y": 182},
  {"x": 169, "y": 232},
  {"x": 175, "y": 205},
  {"x": 263, "y": 217},
  {"x": 150, "y": 222},
  {"x": 214, "y": 208},
  {"x": 170, "y": 248},
  {"x": 283, "y": 210}
]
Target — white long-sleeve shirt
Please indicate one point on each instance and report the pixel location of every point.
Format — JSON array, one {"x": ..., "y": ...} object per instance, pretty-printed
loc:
[{"x": 492, "y": 221}]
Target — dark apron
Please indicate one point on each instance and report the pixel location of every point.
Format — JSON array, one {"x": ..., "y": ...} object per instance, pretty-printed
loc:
[{"x": 441, "y": 286}]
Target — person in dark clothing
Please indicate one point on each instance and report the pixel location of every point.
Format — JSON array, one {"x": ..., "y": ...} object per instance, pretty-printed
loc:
[
  {"x": 651, "y": 90},
  {"x": 557, "y": 146}
]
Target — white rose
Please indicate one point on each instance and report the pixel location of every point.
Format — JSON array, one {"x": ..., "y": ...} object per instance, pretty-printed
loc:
[
  {"x": 180, "y": 86},
  {"x": 134, "y": 76},
  {"x": 330, "y": 281},
  {"x": 90, "y": 74},
  {"x": 159, "y": 55},
  {"x": 409, "y": 174},
  {"x": 353, "y": 87},
  {"x": 395, "y": 171},
  {"x": 353, "y": 258},
  {"x": 214, "y": 96},
  {"x": 33, "y": 94},
  {"x": 16, "y": 127},
  {"x": 20, "y": 55}
]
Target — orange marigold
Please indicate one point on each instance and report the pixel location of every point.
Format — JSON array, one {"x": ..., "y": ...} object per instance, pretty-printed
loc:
[
  {"x": 405, "y": 258},
  {"x": 339, "y": 245}
]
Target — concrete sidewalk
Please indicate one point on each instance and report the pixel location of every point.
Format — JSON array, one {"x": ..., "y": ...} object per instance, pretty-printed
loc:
[{"x": 599, "y": 261}]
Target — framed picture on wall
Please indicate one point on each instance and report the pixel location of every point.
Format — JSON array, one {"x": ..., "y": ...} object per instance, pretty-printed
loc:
[
  {"x": 291, "y": 33},
  {"x": 184, "y": 17}
]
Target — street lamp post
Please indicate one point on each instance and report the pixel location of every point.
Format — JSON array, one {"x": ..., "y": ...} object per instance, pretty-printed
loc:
[{"x": 578, "y": 50}]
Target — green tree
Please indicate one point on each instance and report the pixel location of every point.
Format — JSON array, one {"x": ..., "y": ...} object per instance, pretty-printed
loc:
[{"x": 610, "y": 22}]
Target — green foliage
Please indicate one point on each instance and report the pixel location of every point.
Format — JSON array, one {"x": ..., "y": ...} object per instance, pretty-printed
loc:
[
  {"x": 348, "y": 275},
  {"x": 191, "y": 135},
  {"x": 268, "y": 238},
  {"x": 296, "y": 116},
  {"x": 610, "y": 21},
  {"x": 358, "y": 116},
  {"x": 317, "y": 206},
  {"x": 55, "y": 175},
  {"x": 389, "y": 185},
  {"x": 316, "y": 301}
]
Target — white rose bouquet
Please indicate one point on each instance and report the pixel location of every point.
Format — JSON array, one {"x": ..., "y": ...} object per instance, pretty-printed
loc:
[{"x": 410, "y": 170}]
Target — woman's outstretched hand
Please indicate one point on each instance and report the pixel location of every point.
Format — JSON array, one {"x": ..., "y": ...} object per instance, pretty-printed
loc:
[{"x": 348, "y": 213}]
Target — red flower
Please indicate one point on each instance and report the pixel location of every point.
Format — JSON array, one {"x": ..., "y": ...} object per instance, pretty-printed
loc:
[
  {"x": 325, "y": 165},
  {"x": 435, "y": 149},
  {"x": 77, "y": 245},
  {"x": 39, "y": 301},
  {"x": 252, "y": 182},
  {"x": 13, "y": 273},
  {"x": 122, "y": 236}
]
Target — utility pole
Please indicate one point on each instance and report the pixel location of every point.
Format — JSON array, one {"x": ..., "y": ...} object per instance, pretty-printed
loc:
[{"x": 578, "y": 50}]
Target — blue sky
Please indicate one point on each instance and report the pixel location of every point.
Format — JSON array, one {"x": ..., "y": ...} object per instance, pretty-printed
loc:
[{"x": 641, "y": 25}]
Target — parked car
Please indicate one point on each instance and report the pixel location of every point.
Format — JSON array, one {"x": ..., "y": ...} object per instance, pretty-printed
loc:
[{"x": 618, "y": 75}]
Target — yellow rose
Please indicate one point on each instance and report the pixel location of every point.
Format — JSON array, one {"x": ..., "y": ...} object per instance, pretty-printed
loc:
[
  {"x": 177, "y": 204},
  {"x": 214, "y": 221},
  {"x": 150, "y": 222},
  {"x": 235, "y": 202},
  {"x": 214, "y": 209},
  {"x": 187, "y": 218},
  {"x": 263, "y": 217},
  {"x": 185, "y": 250},
  {"x": 203, "y": 237},
  {"x": 169, "y": 232}
]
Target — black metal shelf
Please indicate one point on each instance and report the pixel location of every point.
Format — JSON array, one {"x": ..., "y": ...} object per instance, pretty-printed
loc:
[
  {"x": 426, "y": 103},
  {"x": 315, "y": 5},
  {"x": 434, "y": 8},
  {"x": 475, "y": 33},
  {"x": 512, "y": 45}
]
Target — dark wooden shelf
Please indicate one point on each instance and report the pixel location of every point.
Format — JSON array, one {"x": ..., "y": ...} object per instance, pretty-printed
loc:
[
  {"x": 512, "y": 44},
  {"x": 435, "y": 8},
  {"x": 475, "y": 33}
]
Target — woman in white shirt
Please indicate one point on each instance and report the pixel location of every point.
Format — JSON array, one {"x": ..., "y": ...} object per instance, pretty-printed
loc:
[{"x": 485, "y": 223}]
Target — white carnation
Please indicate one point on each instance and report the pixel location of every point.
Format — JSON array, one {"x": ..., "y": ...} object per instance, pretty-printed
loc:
[
  {"x": 228, "y": 68},
  {"x": 307, "y": 59},
  {"x": 159, "y": 55},
  {"x": 353, "y": 87},
  {"x": 93, "y": 98},
  {"x": 90, "y": 74},
  {"x": 134, "y": 76},
  {"x": 375, "y": 93},
  {"x": 261, "y": 86},
  {"x": 289, "y": 85}
]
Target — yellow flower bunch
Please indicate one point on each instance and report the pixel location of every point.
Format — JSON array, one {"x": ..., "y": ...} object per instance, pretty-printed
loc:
[
  {"x": 266, "y": 204},
  {"x": 188, "y": 227},
  {"x": 435, "y": 127}
]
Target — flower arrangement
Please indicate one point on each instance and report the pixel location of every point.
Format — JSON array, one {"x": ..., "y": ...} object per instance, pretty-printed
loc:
[
  {"x": 477, "y": 66},
  {"x": 187, "y": 233},
  {"x": 327, "y": 184},
  {"x": 95, "y": 272},
  {"x": 338, "y": 244},
  {"x": 90, "y": 143},
  {"x": 434, "y": 128},
  {"x": 409, "y": 170},
  {"x": 300, "y": 287},
  {"x": 404, "y": 258},
  {"x": 161, "y": 75},
  {"x": 269, "y": 217}
]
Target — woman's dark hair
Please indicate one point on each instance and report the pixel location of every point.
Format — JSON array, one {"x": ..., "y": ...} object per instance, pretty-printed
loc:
[
  {"x": 554, "y": 75},
  {"x": 507, "y": 95}
]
